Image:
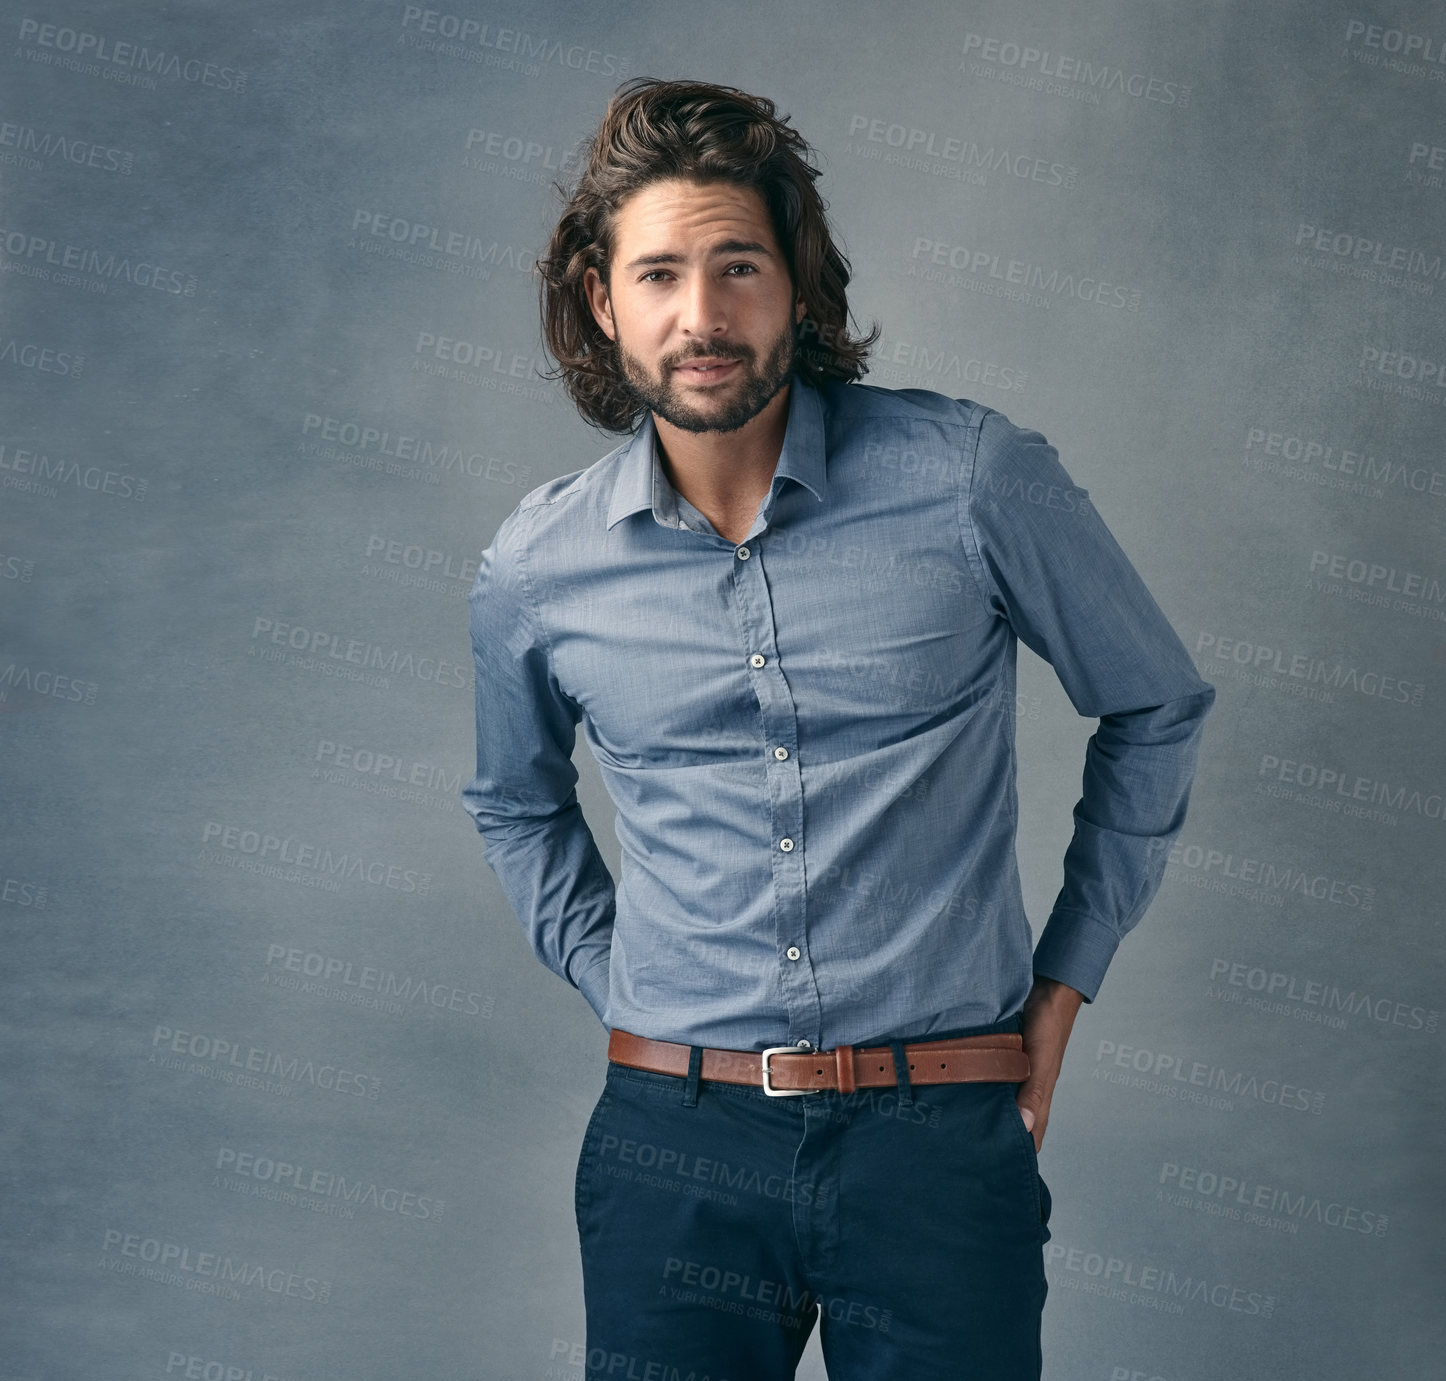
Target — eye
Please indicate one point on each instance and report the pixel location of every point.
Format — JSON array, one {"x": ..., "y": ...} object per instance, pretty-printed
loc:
[
  {"x": 746, "y": 269},
  {"x": 654, "y": 276}
]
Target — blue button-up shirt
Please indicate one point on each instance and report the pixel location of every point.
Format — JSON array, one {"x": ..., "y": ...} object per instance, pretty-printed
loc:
[{"x": 809, "y": 735}]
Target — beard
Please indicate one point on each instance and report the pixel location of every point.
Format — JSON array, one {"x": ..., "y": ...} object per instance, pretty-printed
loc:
[{"x": 739, "y": 401}]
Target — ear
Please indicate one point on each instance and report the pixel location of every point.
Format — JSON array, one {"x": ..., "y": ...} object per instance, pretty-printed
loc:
[
  {"x": 800, "y": 310},
  {"x": 597, "y": 299}
]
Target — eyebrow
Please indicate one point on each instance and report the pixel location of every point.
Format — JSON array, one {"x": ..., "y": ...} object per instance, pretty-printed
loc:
[{"x": 727, "y": 247}]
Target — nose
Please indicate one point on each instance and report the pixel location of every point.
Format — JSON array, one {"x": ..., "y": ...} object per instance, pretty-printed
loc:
[{"x": 703, "y": 313}]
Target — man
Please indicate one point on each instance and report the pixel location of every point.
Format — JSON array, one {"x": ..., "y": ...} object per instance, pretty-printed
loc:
[{"x": 785, "y": 613}]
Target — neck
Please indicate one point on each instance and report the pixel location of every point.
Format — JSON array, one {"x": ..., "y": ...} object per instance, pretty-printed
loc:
[{"x": 725, "y": 475}]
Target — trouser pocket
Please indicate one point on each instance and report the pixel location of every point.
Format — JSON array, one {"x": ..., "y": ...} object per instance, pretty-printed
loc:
[{"x": 587, "y": 1159}]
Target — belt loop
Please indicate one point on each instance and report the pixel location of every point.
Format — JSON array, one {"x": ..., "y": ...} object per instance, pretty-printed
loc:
[
  {"x": 695, "y": 1071},
  {"x": 901, "y": 1073},
  {"x": 843, "y": 1056}
]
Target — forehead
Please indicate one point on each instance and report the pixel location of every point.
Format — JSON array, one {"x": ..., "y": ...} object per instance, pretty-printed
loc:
[{"x": 679, "y": 216}]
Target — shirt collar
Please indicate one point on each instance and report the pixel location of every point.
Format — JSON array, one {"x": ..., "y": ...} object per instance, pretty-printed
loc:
[{"x": 642, "y": 484}]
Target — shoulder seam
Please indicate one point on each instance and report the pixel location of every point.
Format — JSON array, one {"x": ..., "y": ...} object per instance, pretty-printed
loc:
[
  {"x": 968, "y": 533},
  {"x": 538, "y": 500},
  {"x": 530, "y": 607},
  {"x": 895, "y": 397}
]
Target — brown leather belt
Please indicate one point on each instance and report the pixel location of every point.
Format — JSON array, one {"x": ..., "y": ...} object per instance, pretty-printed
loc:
[{"x": 784, "y": 1070}]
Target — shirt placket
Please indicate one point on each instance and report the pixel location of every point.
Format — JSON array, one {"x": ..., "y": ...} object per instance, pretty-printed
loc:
[{"x": 753, "y": 603}]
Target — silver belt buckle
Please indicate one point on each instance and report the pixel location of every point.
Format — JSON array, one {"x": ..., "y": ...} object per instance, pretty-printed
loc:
[{"x": 768, "y": 1083}]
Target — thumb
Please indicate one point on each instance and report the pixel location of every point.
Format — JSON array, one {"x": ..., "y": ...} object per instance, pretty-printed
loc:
[{"x": 1033, "y": 1110}]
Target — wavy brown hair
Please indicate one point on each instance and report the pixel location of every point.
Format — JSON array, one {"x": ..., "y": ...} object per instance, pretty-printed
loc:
[{"x": 655, "y": 130}]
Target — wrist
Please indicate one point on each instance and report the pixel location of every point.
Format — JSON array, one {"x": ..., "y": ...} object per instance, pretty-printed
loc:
[{"x": 1052, "y": 993}]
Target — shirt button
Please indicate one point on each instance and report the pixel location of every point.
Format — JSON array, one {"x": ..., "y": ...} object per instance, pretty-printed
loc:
[
  {"x": 757, "y": 660},
  {"x": 786, "y": 845},
  {"x": 780, "y": 753},
  {"x": 743, "y": 553},
  {"x": 793, "y": 952}
]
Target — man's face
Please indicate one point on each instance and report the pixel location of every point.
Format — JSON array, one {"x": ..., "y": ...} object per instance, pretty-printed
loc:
[{"x": 699, "y": 303}]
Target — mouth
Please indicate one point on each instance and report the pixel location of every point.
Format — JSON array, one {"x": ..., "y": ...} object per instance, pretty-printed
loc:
[{"x": 705, "y": 371}]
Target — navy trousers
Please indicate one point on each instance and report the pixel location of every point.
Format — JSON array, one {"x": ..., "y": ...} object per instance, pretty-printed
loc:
[{"x": 718, "y": 1225}]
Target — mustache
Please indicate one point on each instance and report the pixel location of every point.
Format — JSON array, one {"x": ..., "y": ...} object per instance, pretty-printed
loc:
[{"x": 721, "y": 351}]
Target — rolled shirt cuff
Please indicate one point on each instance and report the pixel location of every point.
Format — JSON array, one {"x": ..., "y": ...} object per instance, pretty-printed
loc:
[
  {"x": 1075, "y": 949},
  {"x": 593, "y": 984}
]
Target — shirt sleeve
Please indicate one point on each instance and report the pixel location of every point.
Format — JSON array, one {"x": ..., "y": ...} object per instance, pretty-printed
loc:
[
  {"x": 523, "y": 797},
  {"x": 1050, "y": 567}
]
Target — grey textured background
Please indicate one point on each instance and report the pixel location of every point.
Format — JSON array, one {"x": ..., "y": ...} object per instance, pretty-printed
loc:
[{"x": 249, "y": 453}]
